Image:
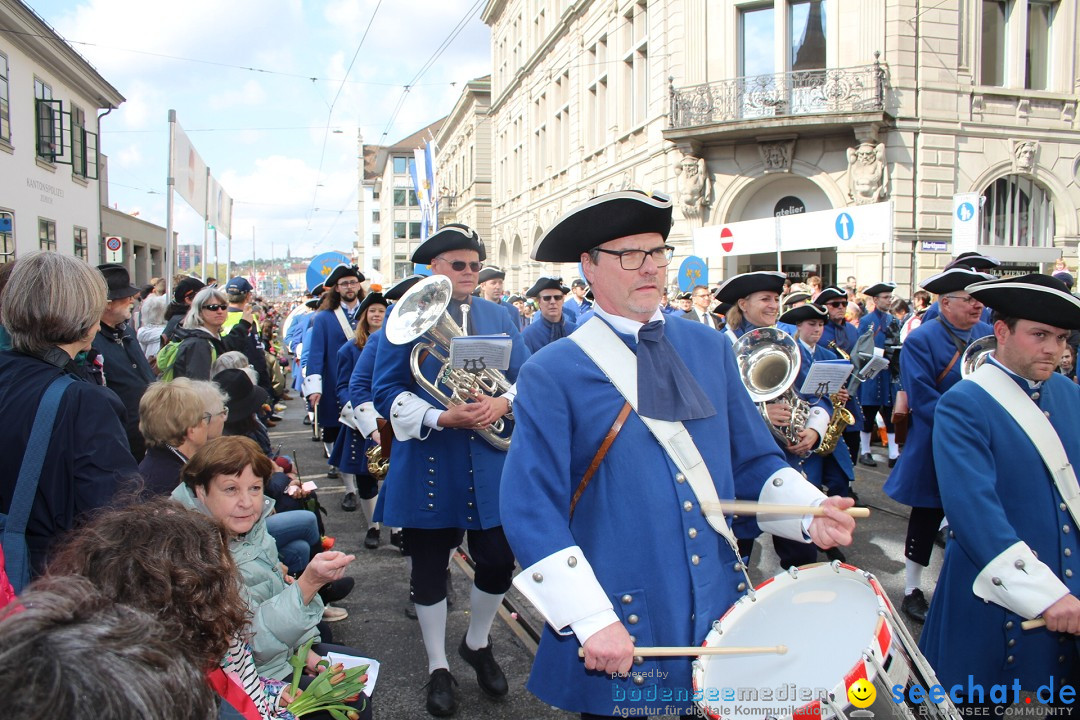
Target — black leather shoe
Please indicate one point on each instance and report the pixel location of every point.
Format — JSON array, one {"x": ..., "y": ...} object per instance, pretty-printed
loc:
[
  {"x": 941, "y": 536},
  {"x": 915, "y": 606},
  {"x": 333, "y": 473},
  {"x": 410, "y": 611},
  {"x": 488, "y": 674},
  {"x": 892, "y": 462},
  {"x": 371, "y": 540},
  {"x": 441, "y": 698},
  {"x": 337, "y": 589},
  {"x": 395, "y": 538},
  {"x": 307, "y": 420},
  {"x": 349, "y": 502},
  {"x": 868, "y": 460},
  {"x": 834, "y": 553}
]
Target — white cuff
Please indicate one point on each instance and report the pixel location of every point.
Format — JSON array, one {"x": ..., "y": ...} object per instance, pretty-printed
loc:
[
  {"x": 1020, "y": 582},
  {"x": 788, "y": 487},
  {"x": 299, "y": 351},
  {"x": 312, "y": 384},
  {"x": 818, "y": 421},
  {"x": 587, "y": 627},
  {"x": 511, "y": 393},
  {"x": 366, "y": 419},
  {"x": 565, "y": 590},
  {"x": 431, "y": 418},
  {"x": 345, "y": 417},
  {"x": 407, "y": 417}
]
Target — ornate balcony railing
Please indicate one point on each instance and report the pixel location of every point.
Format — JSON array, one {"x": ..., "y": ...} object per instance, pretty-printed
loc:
[{"x": 801, "y": 92}]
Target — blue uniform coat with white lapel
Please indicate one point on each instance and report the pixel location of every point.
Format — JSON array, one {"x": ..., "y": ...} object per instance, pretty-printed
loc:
[
  {"x": 996, "y": 491},
  {"x": 364, "y": 370},
  {"x": 348, "y": 453},
  {"x": 565, "y": 406},
  {"x": 844, "y": 335},
  {"x": 450, "y": 479},
  {"x": 878, "y": 391},
  {"x": 327, "y": 338},
  {"x": 538, "y": 334},
  {"x": 927, "y": 352}
]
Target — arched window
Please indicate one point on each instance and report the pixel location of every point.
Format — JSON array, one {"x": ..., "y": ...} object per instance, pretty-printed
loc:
[{"x": 1017, "y": 212}]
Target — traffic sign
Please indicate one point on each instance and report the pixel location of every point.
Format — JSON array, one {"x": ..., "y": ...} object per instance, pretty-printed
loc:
[
  {"x": 114, "y": 249},
  {"x": 845, "y": 226},
  {"x": 965, "y": 227},
  {"x": 727, "y": 239}
]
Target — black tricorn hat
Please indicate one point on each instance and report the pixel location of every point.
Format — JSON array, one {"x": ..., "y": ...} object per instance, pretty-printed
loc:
[
  {"x": 974, "y": 261},
  {"x": 342, "y": 271},
  {"x": 798, "y": 296},
  {"x": 749, "y": 283},
  {"x": 118, "y": 280},
  {"x": 547, "y": 283},
  {"x": 954, "y": 279},
  {"x": 829, "y": 294},
  {"x": 452, "y": 236},
  {"x": 401, "y": 287},
  {"x": 604, "y": 218},
  {"x": 372, "y": 298},
  {"x": 1035, "y": 297},
  {"x": 879, "y": 289},
  {"x": 809, "y": 311},
  {"x": 490, "y": 273}
]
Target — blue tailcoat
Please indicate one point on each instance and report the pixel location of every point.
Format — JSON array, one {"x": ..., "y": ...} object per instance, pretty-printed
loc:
[
  {"x": 348, "y": 453},
  {"x": 450, "y": 479},
  {"x": 296, "y": 334},
  {"x": 996, "y": 492},
  {"x": 879, "y": 391},
  {"x": 538, "y": 334},
  {"x": 363, "y": 370},
  {"x": 833, "y": 471},
  {"x": 844, "y": 335},
  {"x": 630, "y": 521},
  {"x": 326, "y": 339},
  {"x": 927, "y": 353}
]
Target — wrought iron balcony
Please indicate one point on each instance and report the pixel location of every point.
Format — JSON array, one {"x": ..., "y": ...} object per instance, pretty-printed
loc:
[{"x": 851, "y": 90}]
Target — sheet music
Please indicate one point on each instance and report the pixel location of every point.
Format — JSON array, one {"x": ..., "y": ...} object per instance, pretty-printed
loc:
[
  {"x": 474, "y": 353},
  {"x": 351, "y": 661},
  {"x": 826, "y": 377},
  {"x": 873, "y": 365}
]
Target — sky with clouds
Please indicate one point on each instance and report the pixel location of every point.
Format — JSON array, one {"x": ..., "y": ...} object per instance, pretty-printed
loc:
[{"x": 273, "y": 95}]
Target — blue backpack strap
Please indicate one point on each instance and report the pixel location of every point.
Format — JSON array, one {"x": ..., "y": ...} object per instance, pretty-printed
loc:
[{"x": 16, "y": 555}]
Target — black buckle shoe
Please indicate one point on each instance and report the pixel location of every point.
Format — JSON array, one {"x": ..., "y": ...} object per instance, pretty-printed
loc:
[
  {"x": 410, "y": 610},
  {"x": 441, "y": 698},
  {"x": 349, "y": 502},
  {"x": 868, "y": 460},
  {"x": 371, "y": 540},
  {"x": 488, "y": 673},
  {"x": 333, "y": 473},
  {"x": 915, "y": 606}
]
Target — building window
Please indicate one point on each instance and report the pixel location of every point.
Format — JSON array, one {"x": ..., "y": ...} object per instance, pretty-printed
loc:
[
  {"x": 401, "y": 197},
  {"x": 46, "y": 234},
  {"x": 995, "y": 14},
  {"x": 597, "y": 99},
  {"x": 49, "y": 141},
  {"x": 635, "y": 71},
  {"x": 1006, "y": 50},
  {"x": 1037, "y": 61},
  {"x": 375, "y": 264},
  {"x": 756, "y": 41},
  {"x": 376, "y": 238},
  {"x": 375, "y": 216},
  {"x": 403, "y": 164},
  {"x": 5, "y": 108},
  {"x": 7, "y": 237},
  {"x": 806, "y": 23},
  {"x": 414, "y": 230},
  {"x": 82, "y": 243},
  {"x": 1017, "y": 212},
  {"x": 399, "y": 230},
  {"x": 78, "y": 141}
]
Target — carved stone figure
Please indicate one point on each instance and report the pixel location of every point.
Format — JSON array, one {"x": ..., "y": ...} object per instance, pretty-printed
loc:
[
  {"x": 1024, "y": 152},
  {"x": 694, "y": 186},
  {"x": 777, "y": 155},
  {"x": 868, "y": 176}
]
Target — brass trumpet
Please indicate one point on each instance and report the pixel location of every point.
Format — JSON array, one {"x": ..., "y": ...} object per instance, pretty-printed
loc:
[{"x": 421, "y": 314}]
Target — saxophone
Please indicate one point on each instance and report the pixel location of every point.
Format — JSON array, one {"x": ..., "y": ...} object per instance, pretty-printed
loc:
[{"x": 841, "y": 416}]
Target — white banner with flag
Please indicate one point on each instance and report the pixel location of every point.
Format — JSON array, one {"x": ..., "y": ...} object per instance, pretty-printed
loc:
[
  {"x": 188, "y": 170},
  {"x": 219, "y": 214}
]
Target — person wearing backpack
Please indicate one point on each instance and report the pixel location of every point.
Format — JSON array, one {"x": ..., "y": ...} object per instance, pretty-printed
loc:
[
  {"x": 197, "y": 343},
  {"x": 52, "y": 306}
]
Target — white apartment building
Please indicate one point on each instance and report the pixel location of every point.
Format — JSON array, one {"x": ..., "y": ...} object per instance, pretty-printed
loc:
[
  {"x": 746, "y": 109},
  {"x": 49, "y": 125}
]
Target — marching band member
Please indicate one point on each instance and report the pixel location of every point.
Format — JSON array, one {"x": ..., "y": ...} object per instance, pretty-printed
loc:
[
  {"x": 684, "y": 302},
  {"x": 444, "y": 477},
  {"x": 553, "y": 324},
  {"x": 491, "y": 281},
  {"x": 797, "y": 298},
  {"x": 576, "y": 516},
  {"x": 930, "y": 366},
  {"x": 578, "y": 302},
  {"x": 876, "y": 395},
  {"x": 840, "y": 337},
  {"x": 755, "y": 303},
  {"x": 1013, "y": 522},
  {"x": 971, "y": 261}
]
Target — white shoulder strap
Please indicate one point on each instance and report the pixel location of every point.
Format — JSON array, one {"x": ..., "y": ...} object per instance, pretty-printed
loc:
[
  {"x": 731, "y": 335},
  {"x": 611, "y": 355},
  {"x": 343, "y": 321},
  {"x": 1042, "y": 434}
]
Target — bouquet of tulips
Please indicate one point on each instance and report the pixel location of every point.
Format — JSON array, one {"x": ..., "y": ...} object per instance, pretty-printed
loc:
[{"x": 330, "y": 690}]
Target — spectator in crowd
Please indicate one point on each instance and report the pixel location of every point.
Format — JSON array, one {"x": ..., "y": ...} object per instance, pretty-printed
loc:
[
  {"x": 900, "y": 309},
  {"x": 225, "y": 479},
  {"x": 124, "y": 367},
  {"x": 200, "y": 337},
  {"x": 52, "y": 306},
  {"x": 815, "y": 285},
  {"x": 239, "y": 292},
  {"x": 110, "y": 660},
  {"x": 1068, "y": 363},
  {"x": 920, "y": 301},
  {"x": 175, "y": 423},
  {"x": 183, "y": 295},
  {"x": 153, "y": 324}
]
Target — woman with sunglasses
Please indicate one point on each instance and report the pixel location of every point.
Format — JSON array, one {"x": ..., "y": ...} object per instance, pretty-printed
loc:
[{"x": 200, "y": 337}]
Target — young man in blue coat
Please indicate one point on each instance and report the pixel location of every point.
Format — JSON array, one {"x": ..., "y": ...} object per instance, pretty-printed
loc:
[
  {"x": 839, "y": 336},
  {"x": 1014, "y": 552},
  {"x": 878, "y": 394},
  {"x": 553, "y": 323},
  {"x": 631, "y": 557},
  {"x": 444, "y": 476},
  {"x": 929, "y": 366},
  {"x": 491, "y": 281}
]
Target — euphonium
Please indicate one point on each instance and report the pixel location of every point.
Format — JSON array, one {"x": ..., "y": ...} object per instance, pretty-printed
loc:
[
  {"x": 376, "y": 466},
  {"x": 421, "y": 313},
  {"x": 976, "y": 354},
  {"x": 769, "y": 363}
]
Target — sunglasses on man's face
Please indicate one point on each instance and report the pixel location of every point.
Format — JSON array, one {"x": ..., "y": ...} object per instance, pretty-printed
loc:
[
  {"x": 836, "y": 304},
  {"x": 215, "y": 308},
  {"x": 550, "y": 298},
  {"x": 460, "y": 265}
]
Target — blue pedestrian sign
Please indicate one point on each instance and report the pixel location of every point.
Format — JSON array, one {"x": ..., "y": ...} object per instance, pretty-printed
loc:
[
  {"x": 693, "y": 271},
  {"x": 965, "y": 212},
  {"x": 845, "y": 226},
  {"x": 5, "y": 222}
]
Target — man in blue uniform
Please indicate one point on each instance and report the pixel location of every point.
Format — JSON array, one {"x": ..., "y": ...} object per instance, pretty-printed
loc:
[
  {"x": 578, "y": 302},
  {"x": 840, "y": 336},
  {"x": 577, "y": 514},
  {"x": 1014, "y": 550},
  {"x": 970, "y": 261},
  {"x": 332, "y": 327},
  {"x": 930, "y": 365},
  {"x": 444, "y": 476},
  {"x": 553, "y": 324},
  {"x": 877, "y": 394},
  {"x": 491, "y": 281}
]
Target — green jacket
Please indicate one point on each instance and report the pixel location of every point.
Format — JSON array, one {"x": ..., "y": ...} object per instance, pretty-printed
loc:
[{"x": 281, "y": 622}]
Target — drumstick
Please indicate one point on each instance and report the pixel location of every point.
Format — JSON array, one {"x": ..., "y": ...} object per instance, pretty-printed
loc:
[
  {"x": 748, "y": 507},
  {"x": 699, "y": 650},
  {"x": 1032, "y": 624}
]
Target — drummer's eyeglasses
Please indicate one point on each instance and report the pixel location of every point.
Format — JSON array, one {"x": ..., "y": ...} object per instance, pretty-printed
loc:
[
  {"x": 215, "y": 308},
  {"x": 837, "y": 304},
  {"x": 550, "y": 298},
  {"x": 634, "y": 259},
  {"x": 969, "y": 299},
  {"x": 460, "y": 265}
]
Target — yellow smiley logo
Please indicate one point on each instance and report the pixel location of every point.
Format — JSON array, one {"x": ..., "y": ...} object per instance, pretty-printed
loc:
[{"x": 861, "y": 693}]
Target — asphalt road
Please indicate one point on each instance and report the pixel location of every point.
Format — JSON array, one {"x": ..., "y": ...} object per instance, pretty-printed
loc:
[{"x": 377, "y": 624}]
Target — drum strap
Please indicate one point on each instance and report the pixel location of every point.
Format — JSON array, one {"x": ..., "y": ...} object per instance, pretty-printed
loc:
[
  {"x": 1036, "y": 426},
  {"x": 617, "y": 361},
  {"x": 598, "y": 458}
]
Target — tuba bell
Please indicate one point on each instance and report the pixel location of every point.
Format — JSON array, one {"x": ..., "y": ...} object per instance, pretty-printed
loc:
[
  {"x": 976, "y": 354},
  {"x": 769, "y": 362},
  {"x": 421, "y": 314}
]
